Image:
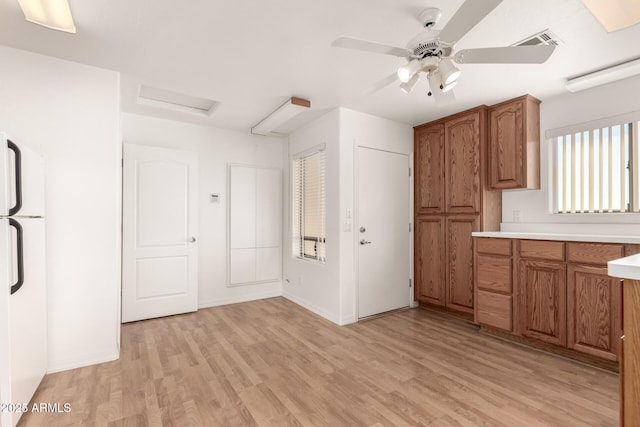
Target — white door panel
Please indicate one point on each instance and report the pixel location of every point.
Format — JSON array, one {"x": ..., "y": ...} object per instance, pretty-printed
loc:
[
  {"x": 268, "y": 263},
  {"x": 383, "y": 214},
  {"x": 30, "y": 186},
  {"x": 160, "y": 231}
]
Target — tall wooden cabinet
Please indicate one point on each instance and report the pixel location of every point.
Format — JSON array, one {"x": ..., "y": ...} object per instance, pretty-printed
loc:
[{"x": 451, "y": 201}]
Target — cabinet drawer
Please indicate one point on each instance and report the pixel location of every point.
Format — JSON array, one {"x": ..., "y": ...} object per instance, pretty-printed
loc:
[
  {"x": 494, "y": 273},
  {"x": 494, "y": 310},
  {"x": 486, "y": 245},
  {"x": 593, "y": 253},
  {"x": 542, "y": 249}
]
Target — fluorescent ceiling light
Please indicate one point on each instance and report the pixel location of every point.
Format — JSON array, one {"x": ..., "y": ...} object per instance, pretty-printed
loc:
[
  {"x": 54, "y": 14},
  {"x": 281, "y": 115},
  {"x": 162, "y": 98},
  {"x": 608, "y": 75},
  {"x": 614, "y": 14}
]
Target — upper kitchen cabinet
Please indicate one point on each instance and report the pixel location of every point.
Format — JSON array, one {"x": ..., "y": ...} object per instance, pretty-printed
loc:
[
  {"x": 514, "y": 144},
  {"x": 429, "y": 168},
  {"x": 463, "y": 136}
]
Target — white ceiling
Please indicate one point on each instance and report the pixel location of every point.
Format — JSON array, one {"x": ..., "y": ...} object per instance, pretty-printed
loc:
[{"x": 252, "y": 55}]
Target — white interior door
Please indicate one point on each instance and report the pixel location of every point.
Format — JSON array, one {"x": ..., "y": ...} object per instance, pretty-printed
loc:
[
  {"x": 382, "y": 231},
  {"x": 160, "y": 230}
]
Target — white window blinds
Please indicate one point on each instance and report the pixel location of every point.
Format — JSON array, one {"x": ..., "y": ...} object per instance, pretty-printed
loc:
[
  {"x": 308, "y": 207},
  {"x": 596, "y": 170}
]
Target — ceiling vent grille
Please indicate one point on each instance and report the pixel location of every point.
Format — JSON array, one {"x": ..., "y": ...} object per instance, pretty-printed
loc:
[
  {"x": 543, "y": 37},
  {"x": 161, "y": 98}
]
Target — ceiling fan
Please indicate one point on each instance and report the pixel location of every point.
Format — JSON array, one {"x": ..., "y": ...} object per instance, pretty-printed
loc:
[{"x": 433, "y": 51}]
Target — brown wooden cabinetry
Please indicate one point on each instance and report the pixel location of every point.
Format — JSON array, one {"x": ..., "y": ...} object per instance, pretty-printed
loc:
[
  {"x": 430, "y": 246},
  {"x": 494, "y": 293},
  {"x": 593, "y": 306},
  {"x": 630, "y": 364},
  {"x": 543, "y": 293},
  {"x": 451, "y": 201},
  {"x": 429, "y": 169},
  {"x": 463, "y": 162},
  {"x": 514, "y": 144},
  {"x": 460, "y": 262},
  {"x": 559, "y": 294}
]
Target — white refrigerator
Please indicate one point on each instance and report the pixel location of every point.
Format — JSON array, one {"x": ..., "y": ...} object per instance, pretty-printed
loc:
[{"x": 23, "y": 299}]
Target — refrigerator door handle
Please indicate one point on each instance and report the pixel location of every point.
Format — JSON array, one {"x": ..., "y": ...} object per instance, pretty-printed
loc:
[
  {"x": 18, "y": 171},
  {"x": 20, "y": 249}
]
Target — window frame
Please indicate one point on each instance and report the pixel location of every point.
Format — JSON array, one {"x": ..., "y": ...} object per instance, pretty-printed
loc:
[
  {"x": 300, "y": 255},
  {"x": 632, "y": 120}
]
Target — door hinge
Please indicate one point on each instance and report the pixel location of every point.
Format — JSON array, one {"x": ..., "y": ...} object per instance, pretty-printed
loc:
[
  {"x": 409, "y": 171},
  {"x": 409, "y": 227},
  {"x": 409, "y": 282}
]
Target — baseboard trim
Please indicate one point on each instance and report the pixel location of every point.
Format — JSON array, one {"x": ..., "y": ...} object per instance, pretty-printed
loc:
[
  {"x": 307, "y": 305},
  {"x": 239, "y": 299},
  {"x": 82, "y": 363}
]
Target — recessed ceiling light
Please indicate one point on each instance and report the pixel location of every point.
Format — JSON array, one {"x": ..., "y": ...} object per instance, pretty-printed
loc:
[
  {"x": 54, "y": 14},
  {"x": 162, "y": 98}
]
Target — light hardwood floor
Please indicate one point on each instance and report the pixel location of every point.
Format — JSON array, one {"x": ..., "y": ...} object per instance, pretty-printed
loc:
[{"x": 272, "y": 363}]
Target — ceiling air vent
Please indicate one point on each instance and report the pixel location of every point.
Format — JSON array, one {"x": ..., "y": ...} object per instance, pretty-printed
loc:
[
  {"x": 161, "y": 98},
  {"x": 543, "y": 37}
]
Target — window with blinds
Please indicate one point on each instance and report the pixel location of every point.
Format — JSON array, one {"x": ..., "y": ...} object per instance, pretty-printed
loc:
[
  {"x": 597, "y": 170},
  {"x": 308, "y": 207}
]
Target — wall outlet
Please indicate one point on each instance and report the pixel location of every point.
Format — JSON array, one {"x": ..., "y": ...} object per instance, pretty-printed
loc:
[{"x": 516, "y": 216}]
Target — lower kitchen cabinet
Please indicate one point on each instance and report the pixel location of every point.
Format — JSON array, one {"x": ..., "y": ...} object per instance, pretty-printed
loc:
[
  {"x": 460, "y": 262},
  {"x": 430, "y": 261},
  {"x": 444, "y": 260},
  {"x": 552, "y": 294},
  {"x": 594, "y": 310},
  {"x": 543, "y": 293}
]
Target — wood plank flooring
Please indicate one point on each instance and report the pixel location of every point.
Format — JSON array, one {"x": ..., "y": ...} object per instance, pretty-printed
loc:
[{"x": 272, "y": 363}]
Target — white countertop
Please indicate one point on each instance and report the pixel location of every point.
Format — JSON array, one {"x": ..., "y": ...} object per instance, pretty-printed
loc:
[
  {"x": 597, "y": 238},
  {"x": 625, "y": 268}
]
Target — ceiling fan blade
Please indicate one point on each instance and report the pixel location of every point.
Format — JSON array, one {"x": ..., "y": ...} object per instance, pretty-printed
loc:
[
  {"x": 505, "y": 55},
  {"x": 350, "y": 43},
  {"x": 468, "y": 15}
]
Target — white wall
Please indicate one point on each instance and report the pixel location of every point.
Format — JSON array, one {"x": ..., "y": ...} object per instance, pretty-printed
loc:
[
  {"x": 312, "y": 285},
  {"x": 70, "y": 113},
  {"x": 216, "y": 148},
  {"x": 330, "y": 289},
  {"x": 564, "y": 110},
  {"x": 362, "y": 130}
]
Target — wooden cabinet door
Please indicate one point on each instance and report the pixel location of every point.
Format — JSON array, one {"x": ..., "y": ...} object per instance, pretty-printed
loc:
[
  {"x": 462, "y": 159},
  {"x": 543, "y": 293},
  {"x": 593, "y": 305},
  {"x": 429, "y": 260},
  {"x": 429, "y": 169},
  {"x": 460, "y": 261},
  {"x": 506, "y": 146}
]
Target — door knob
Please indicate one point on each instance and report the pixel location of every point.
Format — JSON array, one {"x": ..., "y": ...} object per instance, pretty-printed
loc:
[
  {"x": 192, "y": 239},
  {"x": 365, "y": 242},
  {"x": 362, "y": 229}
]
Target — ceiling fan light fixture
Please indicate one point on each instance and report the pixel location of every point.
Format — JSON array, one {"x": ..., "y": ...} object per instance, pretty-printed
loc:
[
  {"x": 54, "y": 14},
  {"x": 448, "y": 71},
  {"x": 406, "y": 72},
  {"x": 448, "y": 86},
  {"x": 408, "y": 86}
]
